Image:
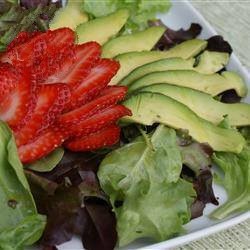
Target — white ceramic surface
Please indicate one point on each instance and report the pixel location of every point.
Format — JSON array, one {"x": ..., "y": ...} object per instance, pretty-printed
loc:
[{"x": 180, "y": 16}]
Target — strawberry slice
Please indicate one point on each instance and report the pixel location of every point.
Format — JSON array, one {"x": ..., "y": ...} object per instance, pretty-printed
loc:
[
  {"x": 53, "y": 63},
  {"x": 21, "y": 38},
  {"x": 108, "y": 97},
  {"x": 51, "y": 99},
  {"x": 45, "y": 143},
  {"x": 25, "y": 55},
  {"x": 10, "y": 77},
  {"x": 97, "y": 79},
  {"x": 86, "y": 55},
  {"x": 98, "y": 121},
  {"x": 104, "y": 138},
  {"x": 17, "y": 104}
]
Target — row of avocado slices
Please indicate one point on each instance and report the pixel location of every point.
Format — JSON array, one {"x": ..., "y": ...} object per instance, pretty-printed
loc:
[{"x": 170, "y": 87}]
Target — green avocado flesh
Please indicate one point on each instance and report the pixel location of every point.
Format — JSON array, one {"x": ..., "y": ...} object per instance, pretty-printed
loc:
[
  {"x": 160, "y": 65},
  {"x": 103, "y": 28},
  {"x": 213, "y": 84},
  {"x": 140, "y": 41},
  {"x": 70, "y": 16},
  {"x": 204, "y": 105},
  {"x": 149, "y": 108},
  {"x": 211, "y": 62},
  {"x": 131, "y": 60},
  {"x": 205, "y": 66}
]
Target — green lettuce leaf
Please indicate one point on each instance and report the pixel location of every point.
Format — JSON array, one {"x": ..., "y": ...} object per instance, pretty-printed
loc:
[
  {"x": 140, "y": 10},
  {"x": 16, "y": 202},
  {"x": 48, "y": 162},
  {"x": 146, "y": 191},
  {"x": 236, "y": 181}
]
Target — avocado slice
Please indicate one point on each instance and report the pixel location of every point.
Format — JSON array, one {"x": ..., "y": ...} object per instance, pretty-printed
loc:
[
  {"x": 70, "y": 16},
  {"x": 103, "y": 28},
  {"x": 211, "y": 62},
  {"x": 208, "y": 64},
  {"x": 213, "y": 84},
  {"x": 204, "y": 105},
  {"x": 131, "y": 60},
  {"x": 139, "y": 41},
  {"x": 160, "y": 65},
  {"x": 149, "y": 108}
]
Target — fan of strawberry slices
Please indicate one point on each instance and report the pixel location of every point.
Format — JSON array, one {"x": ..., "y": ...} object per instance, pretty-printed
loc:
[{"x": 54, "y": 92}]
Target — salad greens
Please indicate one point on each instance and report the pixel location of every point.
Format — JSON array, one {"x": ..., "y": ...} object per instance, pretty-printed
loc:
[
  {"x": 14, "y": 18},
  {"x": 20, "y": 224},
  {"x": 47, "y": 163},
  {"x": 145, "y": 179},
  {"x": 140, "y": 11},
  {"x": 71, "y": 198},
  {"x": 236, "y": 179}
]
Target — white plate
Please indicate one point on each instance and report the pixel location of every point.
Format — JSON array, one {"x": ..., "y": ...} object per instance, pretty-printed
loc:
[{"x": 180, "y": 16}]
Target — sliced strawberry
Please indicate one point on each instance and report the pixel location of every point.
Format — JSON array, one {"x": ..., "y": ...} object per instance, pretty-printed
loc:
[
  {"x": 21, "y": 38},
  {"x": 104, "y": 138},
  {"x": 18, "y": 103},
  {"x": 10, "y": 77},
  {"x": 53, "y": 63},
  {"x": 98, "y": 121},
  {"x": 86, "y": 55},
  {"x": 45, "y": 143},
  {"x": 108, "y": 97},
  {"x": 97, "y": 79},
  {"x": 25, "y": 55},
  {"x": 51, "y": 99}
]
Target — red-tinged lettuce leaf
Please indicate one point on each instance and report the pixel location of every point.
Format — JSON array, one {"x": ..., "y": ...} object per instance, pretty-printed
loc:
[
  {"x": 173, "y": 37},
  {"x": 71, "y": 198},
  {"x": 230, "y": 96},
  {"x": 197, "y": 158},
  {"x": 28, "y": 4},
  {"x": 217, "y": 43}
]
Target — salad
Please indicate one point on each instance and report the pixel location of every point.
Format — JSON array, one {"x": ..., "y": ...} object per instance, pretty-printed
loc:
[{"x": 111, "y": 123}]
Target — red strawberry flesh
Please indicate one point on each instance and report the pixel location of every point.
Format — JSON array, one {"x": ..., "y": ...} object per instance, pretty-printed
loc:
[
  {"x": 86, "y": 55},
  {"x": 41, "y": 146},
  {"x": 98, "y": 121},
  {"x": 110, "y": 96},
  {"x": 10, "y": 77},
  {"x": 97, "y": 79},
  {"x": 104, "y": 138},
  {"x": 51, "y": 99}
]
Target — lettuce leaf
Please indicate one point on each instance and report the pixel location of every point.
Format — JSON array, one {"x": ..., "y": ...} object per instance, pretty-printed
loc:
[
  {"x": 20, "y": 225},
  {"x": 146, "y": 191},
  {"x": 140, "y": 10},
  {"x": 236, "y": 181}
]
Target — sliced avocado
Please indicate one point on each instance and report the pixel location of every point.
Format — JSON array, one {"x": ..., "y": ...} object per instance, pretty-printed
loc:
[
  {"x": 213, "y": 84},
  {"x": 70, "y": 16},
  {"x": 149, "y": 108},
  {"x": 160, "y": 65},
  {"x": 140, "y": 41},
  {"x": 103, "y": 28},
  {"x": 204, "y": 105},
  {"x": 132, "y": 60},
  {"x": 208, "y": 62},
  {"x": 212, "y": 62}
]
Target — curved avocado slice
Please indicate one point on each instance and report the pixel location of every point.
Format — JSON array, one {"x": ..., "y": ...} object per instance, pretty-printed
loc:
[
  {"x": 70, "y": 16},
  {"x": 140, "y": 41},
  {"x": 149, "y": 108},
  {"x": 131, "y": 60},
  {"x": 210, "y": 62},
  {"x": 103, "y": 28},
  {"x": 160, "y": 65},
  {"x": 213, "y": 84},
  {"x": 204, "y": 105}
]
